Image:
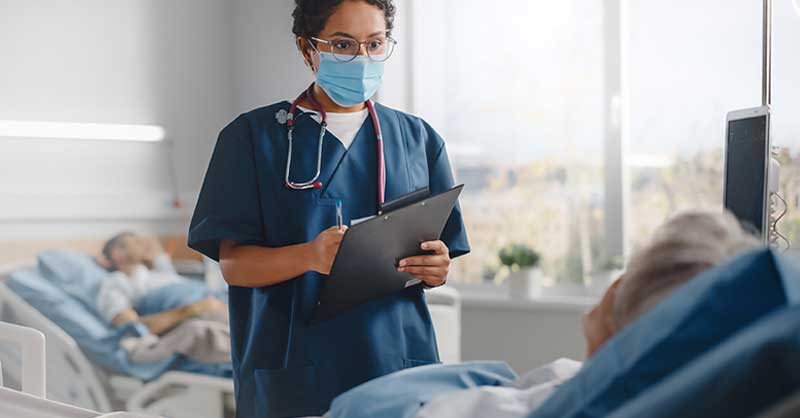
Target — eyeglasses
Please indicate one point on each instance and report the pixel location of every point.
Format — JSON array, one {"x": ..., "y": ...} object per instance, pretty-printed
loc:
[{"x": 379, "y": 48}]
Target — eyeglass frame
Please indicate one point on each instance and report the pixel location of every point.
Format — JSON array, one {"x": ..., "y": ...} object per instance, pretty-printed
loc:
[{"x": 360, "y": 44}]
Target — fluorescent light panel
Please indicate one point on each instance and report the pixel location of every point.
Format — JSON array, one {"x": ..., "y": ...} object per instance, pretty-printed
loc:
[{"x": 81, "y": 131}]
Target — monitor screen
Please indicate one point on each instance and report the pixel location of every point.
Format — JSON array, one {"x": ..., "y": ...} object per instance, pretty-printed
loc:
[{"x": 746, "y": 158}]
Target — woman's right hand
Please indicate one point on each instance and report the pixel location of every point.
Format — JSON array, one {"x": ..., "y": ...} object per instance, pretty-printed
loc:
[{"x": 324, "y": 249}]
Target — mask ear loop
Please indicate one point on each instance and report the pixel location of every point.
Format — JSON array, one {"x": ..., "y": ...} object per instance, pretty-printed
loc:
[
  {"x": 302, "y": 53},
  {"x": 310, "y": 43}
]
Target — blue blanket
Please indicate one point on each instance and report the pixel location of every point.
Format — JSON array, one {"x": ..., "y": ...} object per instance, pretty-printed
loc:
[
  {"x": 173, "y": 296},
  {"x": 695, "y": 320},
  {"x": 401, "y": 394},
  {"x": 96, "y": 338},
  {"x": 742, "y": 378}
]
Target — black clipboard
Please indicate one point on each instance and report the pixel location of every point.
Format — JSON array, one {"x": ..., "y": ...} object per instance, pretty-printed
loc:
[{"x": 365, "y": 267}]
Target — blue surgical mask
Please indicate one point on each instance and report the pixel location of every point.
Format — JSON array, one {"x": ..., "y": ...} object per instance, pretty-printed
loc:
[{"x": 349, "y": 83}]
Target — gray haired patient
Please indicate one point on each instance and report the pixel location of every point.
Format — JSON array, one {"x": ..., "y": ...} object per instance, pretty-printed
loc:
[{"x": 686, "y": 245}]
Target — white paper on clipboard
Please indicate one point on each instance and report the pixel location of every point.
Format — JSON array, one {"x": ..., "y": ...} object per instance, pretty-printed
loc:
[{"x": 355, "y": 222}]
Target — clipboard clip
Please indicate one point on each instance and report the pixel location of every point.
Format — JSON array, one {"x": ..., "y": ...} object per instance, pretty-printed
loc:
[{"x": 405, "y": 200}]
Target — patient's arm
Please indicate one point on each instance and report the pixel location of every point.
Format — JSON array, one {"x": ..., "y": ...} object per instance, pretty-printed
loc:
[
  {"x": 158, "y": 323},
  {"x": 163, "y": 322},
  {"x": 128, "y": 315}
]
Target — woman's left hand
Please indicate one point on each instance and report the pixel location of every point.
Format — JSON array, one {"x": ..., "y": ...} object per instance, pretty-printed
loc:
[{"x": 431, "y": 269}]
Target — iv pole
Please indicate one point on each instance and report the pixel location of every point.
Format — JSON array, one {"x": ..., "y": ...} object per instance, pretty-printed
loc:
[
  {"x": 766, "y": 67},
  {"x": 766, "y": 100}
]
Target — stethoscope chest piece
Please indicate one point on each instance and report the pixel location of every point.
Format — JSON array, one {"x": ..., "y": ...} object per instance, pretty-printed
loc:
[{"x": 282, "y": 116}]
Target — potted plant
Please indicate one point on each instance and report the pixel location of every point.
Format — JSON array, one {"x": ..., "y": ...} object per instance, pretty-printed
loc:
[{"x": 524, "y": 276}]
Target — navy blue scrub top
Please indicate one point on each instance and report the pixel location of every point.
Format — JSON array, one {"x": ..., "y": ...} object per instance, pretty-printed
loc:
[{"x": 284, "y": 366}]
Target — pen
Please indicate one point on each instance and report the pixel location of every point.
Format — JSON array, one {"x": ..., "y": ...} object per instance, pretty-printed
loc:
[{"x": 339, "y": 219}]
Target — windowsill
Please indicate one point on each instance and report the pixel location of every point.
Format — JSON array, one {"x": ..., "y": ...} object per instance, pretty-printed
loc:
[{"x": 492, "y": 297}]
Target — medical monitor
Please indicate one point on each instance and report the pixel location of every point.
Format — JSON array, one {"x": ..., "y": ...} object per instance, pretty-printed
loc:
[{"x": 746, "y": 168}]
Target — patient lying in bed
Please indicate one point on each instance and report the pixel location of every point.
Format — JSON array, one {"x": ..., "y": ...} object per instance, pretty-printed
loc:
[
  {"x": 141, "y": 278},
  {"x": 682, "y": 248}
]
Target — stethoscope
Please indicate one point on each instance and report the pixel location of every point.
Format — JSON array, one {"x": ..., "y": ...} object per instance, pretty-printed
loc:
[{"x": 289, "y": 119}]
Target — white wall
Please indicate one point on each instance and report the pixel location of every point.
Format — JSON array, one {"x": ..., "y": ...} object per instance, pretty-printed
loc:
[
  {"x": 525, "y": 334},
  {"x": 188, "y": 65},
  {"x": 132, "y": 61},
  {"x": 266, "y": 67},
  {"x": 397, "y": 91}
]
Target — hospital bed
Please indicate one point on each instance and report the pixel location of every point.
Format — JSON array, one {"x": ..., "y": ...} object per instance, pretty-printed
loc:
[
  {"x": 30, "y": 402},
  {"x": 74, "y": 380}
]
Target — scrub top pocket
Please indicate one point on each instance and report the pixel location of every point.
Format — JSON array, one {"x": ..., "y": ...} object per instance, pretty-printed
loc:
[
  {"x": 418, "y": 174},
  {"x": 302, "y": 212}
]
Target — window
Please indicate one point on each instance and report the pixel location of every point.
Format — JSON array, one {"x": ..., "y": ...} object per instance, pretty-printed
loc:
[
  {"x": 517, "y": 91},
  {"x": 525, "y": 94},
  {"x": 680, "y": 84}
]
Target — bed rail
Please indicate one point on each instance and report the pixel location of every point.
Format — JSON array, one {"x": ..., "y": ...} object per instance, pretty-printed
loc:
[
  {"x": 72, "y": 378},
  {"x": 32, "y": 346}
]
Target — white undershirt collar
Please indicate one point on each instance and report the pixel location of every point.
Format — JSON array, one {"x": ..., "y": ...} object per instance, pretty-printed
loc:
[{"x": 344, "y": 126}]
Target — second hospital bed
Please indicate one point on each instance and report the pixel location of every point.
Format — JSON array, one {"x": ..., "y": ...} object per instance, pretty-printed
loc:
[{"x": 75, "y": 380}]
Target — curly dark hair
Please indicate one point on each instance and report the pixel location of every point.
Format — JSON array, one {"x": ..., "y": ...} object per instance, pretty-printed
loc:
[{"x": 311, "y": 16}]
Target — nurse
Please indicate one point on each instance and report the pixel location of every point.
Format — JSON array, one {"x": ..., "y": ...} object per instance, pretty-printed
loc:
[{"x": 272, "y": 225}]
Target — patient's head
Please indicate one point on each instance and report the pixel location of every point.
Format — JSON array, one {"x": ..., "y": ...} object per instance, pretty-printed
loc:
[
  {"x": 686, "y": 245},
  {"x": 124, "y": 249}
]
